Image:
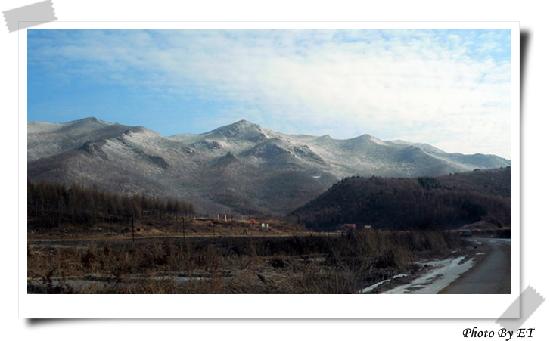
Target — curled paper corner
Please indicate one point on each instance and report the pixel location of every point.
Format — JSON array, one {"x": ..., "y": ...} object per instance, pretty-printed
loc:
[
  {"x": 30, "y": 15},
  {"x": 526, "y": 303}
]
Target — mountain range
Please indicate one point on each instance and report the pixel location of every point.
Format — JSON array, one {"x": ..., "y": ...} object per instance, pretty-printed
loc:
[{"x": 240, "y": 168}]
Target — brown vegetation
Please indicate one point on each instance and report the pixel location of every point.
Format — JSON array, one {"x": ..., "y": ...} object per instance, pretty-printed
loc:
[{"x": 317, "y": 264}]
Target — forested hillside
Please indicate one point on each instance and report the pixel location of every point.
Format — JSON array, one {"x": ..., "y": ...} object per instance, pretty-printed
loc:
[
  {"x": 54, "y": 205},
  {"x": 412, "y": 203}
]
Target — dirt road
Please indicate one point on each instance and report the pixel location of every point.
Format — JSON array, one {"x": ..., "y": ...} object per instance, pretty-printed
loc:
[{"x": 491, "y": 275}]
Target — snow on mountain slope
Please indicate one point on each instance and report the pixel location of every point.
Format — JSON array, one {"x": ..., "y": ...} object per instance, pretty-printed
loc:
[
  {"x": 239, "y": 167},
  {"x": 46, "y": 139}
]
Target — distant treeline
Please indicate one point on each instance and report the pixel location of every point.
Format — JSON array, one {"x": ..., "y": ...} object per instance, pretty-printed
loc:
[
  {"x": 53, "y": 205},
  {"x": 418, "y": 203}
]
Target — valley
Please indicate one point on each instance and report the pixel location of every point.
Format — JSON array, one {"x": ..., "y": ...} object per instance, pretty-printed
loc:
[{"x": 243, "y": 209}]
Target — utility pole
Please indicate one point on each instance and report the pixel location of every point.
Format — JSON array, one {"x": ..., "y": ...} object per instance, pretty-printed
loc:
[
  {"x": 183, "y": 227},
  {"x": 133, "y": 236},
  {"x": 180, "y": 244}
]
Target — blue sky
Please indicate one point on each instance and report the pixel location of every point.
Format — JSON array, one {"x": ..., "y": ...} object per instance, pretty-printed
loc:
[{"x": 449, "y": 88}]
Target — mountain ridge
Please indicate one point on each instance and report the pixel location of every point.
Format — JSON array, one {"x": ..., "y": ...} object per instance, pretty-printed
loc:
[{"x": 239, "y": 167}]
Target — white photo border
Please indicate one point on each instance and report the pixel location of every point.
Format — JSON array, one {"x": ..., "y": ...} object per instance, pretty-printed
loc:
[{"x": 318, "y": 306}]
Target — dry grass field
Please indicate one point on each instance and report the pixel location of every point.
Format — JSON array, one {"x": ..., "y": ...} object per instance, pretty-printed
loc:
[{"x": 301, "y": 263}]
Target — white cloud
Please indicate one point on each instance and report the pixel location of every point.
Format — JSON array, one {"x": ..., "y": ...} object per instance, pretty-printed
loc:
[{"x": 408, "y": 86}]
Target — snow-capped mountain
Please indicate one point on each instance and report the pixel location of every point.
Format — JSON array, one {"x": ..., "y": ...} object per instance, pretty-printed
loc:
[{"x": 240, "y": 167}]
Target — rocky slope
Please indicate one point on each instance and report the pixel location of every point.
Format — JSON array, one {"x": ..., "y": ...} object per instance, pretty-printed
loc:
[{"x": 240, "y": 167}]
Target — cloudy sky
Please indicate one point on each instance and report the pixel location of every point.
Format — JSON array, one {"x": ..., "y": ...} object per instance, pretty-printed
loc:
[{"x": 449, "y": 88}]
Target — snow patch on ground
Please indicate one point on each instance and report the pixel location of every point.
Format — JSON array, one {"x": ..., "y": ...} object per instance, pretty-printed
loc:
[
  {"x": 444, "y": 272},
  {"x": 376, "y": 285}
]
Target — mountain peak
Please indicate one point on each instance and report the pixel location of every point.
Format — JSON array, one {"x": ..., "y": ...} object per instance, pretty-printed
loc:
[
  {"x": 242, "y": 123},
  {"x": 362, "y": 141},
  {"x": 86, "y": 123},
  {"x": 241, "y": 129},
  {"x": 89, "y": 119},
  {"x": 363, "y": 137}
]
